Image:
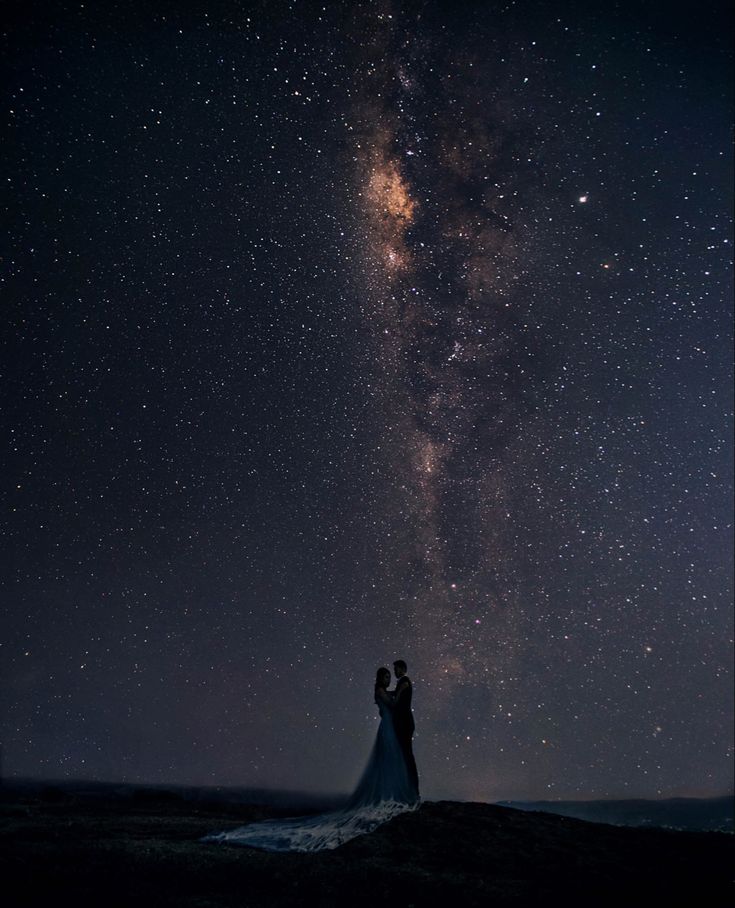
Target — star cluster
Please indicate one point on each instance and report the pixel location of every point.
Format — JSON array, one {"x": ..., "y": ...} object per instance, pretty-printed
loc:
[{"x": 347, "y": 332}]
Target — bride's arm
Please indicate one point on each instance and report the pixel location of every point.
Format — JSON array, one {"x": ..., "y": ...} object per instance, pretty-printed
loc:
[
  {"x": 400, "y": 688},
  {"x": 385, "y": 696}
]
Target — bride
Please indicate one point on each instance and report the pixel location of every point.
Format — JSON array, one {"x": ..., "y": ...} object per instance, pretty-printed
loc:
[{"x": 384, "y": 791}]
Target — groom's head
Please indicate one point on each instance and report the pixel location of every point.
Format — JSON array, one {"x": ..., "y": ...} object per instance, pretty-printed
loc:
[{"x": 400, "y": 668}]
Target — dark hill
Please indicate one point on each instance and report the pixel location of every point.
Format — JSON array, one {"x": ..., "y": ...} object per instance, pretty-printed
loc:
[
  {"x": 145, "y": 851},
  {"x": 703, "y": 814}
]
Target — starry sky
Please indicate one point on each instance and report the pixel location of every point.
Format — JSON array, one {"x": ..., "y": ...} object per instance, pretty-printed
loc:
[{"x": 342, "y": 332}]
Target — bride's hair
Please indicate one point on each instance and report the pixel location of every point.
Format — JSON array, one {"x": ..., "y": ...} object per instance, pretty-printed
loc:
[{"x": 379, "y": 675}]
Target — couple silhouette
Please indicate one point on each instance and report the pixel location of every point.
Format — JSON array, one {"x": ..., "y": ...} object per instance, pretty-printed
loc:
[
  {"x": 388, "y": 786},
  {"x": 398, "y": 705}
]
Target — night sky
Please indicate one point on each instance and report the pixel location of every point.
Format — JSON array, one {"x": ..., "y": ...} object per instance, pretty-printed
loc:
[{"x": 342, "y": 332}]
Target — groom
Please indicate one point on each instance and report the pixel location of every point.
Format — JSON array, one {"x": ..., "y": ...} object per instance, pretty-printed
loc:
[{"x": 403, "y": 719}]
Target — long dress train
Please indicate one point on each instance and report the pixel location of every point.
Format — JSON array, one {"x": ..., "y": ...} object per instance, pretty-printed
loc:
[{"x": 384, "y": 791}]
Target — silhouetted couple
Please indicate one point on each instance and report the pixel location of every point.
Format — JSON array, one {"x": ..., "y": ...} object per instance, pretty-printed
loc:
[
  {"x": 388, "y": 786},
  {"x": 398, "y": 702}
]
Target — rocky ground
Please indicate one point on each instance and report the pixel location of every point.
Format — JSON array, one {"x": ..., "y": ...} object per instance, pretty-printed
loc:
[{"x": 145, "y": 851}]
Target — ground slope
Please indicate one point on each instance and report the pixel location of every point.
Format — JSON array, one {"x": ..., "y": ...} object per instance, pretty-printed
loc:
[{"x": 146, "y": 852}]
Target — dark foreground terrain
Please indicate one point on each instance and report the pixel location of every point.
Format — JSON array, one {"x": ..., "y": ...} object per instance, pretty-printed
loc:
[{"x": 144, "y": 851}]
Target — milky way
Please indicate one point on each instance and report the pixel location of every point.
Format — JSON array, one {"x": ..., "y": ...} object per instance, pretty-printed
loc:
[
  {"x": 437, "y": 245},
  {"x": 352, "y": 332}
]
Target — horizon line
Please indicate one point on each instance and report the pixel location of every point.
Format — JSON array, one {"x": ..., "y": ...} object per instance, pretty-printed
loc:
[{"x": 315, "y": 795}]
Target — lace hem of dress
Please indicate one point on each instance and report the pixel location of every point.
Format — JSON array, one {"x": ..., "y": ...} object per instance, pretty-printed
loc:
[{"x": 322, "y": 832}]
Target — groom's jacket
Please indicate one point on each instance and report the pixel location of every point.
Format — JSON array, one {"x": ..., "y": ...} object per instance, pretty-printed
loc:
[{"x": 402, "y": 715}]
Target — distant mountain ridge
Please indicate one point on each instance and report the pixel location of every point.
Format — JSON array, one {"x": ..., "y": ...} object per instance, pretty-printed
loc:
[
  {"x": 93, "y": 789},
  {"x": 692, "y": 814}
]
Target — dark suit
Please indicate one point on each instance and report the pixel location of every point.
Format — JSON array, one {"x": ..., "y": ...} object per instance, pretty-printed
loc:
[{"x": 404, "y": 725}]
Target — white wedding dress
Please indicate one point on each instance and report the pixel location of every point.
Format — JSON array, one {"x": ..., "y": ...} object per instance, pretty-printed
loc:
[{"x": 383, "y": 792}]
